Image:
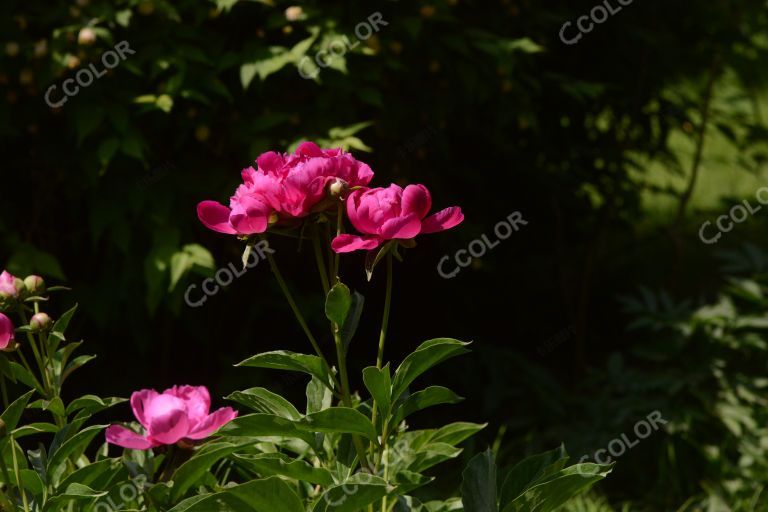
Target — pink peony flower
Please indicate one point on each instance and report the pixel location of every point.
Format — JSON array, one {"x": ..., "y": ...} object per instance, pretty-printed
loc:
[
  {"x": 7, "y": 286},
  {"x": 176, "y": 414},
  {"x": 287, "y": 185},
  {"x": 392, "y": 213},
  {"x": 6, "y": 331}
]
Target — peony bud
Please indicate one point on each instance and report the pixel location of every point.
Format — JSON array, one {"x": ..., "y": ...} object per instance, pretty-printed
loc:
[
  {"x": 35, "y": 284},
  {"x": 20, "y": 287},
  {"x": 40, "y": 322},
  {"x": 6, "y": 331},
  {"x": 338, "y": 187},
  {"x": 86, "y": 37}
]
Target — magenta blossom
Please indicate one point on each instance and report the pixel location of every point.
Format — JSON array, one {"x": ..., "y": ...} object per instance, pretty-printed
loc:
[
  {"x": 6, "y": 331},
  {"x": 180, "y": 413},
  {"x": 7, "y": 286},
  {"x": 392, "y": 213},
  {"x": 289, "y": 186}
]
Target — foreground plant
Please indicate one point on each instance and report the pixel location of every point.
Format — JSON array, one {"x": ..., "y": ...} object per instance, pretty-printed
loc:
[{"x": 343, "y": 451}]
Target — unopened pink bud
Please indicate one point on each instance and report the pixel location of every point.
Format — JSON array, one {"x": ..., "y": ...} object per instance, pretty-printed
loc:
[{"x": 40, "y": 322}]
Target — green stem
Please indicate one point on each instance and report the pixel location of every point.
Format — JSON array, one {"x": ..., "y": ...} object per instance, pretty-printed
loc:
[
  {"x": 26, "y": 365},
  {"x": 337, "y": 256},
  {"x": 385, "y": 318},
  {"x": 298, "y": 315},
  {"x": 43, "y": 371},
  {"x": 319, "y": 259},
  {"x": 17, "y": 473},
  {"x": 383, "y": 339},
  {"x": 347, "y": 397}
]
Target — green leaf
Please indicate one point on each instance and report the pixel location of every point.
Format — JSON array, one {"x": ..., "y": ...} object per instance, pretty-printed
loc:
[
  {"x": 559, "y": 488},
  {"x": 319, "y": 396},
  {"x": 373, "y": 257},
  {"x": 191, "y": 470},
  {"x": 263, "y": 400},
  {"x": 18, "y": 372},
  {"x": 427, "y": 355},
  {"x": 278, "y": 464},
  {"x": 478, "y": 487},
  {"x": 356, "y": 493},
  {"x": 74, "y": 365},
  {"x": 12, "y": 414},
  {"x": 61, "y": 325},
  {"x": 266, "y": 425},
  {"x": 268, "y": 495},
  {"x": 454, "y": 433},
  {"x": 76, "y": 491},
  {"x": 56, "y": 406},
  {"x": 348, "y": 330},
  {"x": 92, "y": 404},
  {"x": 339, "y": 420},
  {"x": 431, "y": 455},
  {"x": 526, "y": 472},
  {"x": 190, "y": 256},
  {"x": 72, "y": 447},
  {"x": 34, "y": 428},
  {"x": 337, "y": 304},
  {"x": 379, "y": 385},
  {"x": 285, "y": 360},
  {"x": 433, "y": 395}
]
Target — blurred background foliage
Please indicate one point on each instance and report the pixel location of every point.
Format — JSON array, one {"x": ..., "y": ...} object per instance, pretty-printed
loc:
[{"x": 605, "y": 307}]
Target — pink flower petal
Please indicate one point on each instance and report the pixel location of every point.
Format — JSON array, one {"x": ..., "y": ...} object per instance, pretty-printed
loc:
[
  {"x": 359, "y": 205},
  {"x": 349, "y": 243},
  {"x": 213, "y": 423},
  {"x": 416, "y": 200},
  {"x": 167, "y": 418},
  {"x": 121, "y": 436},
  {"x": 140, "y": 401},
  {"x": 309, "y": 149},
  {"x": 401, "y": 227},
  {"x": 6, "y": 331},
  {"x": 197, "y": 400},
  {"x": 269, "y": 162},
  {"x": 442, "y": 220},
  {"x": 215, "y": 216},
  {"x": 7, "y": 284},
  {"x": 250, "y": 216}
]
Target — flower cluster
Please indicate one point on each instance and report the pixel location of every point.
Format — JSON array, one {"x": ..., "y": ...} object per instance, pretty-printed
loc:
[
  {"x": 13, "y": 291},
  {"x": 287, "y": 187}
]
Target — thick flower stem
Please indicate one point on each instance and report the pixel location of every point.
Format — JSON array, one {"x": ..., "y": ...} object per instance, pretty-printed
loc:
[
  {"x": 299, "y": 316},
  {"x": 17, "y": 473},
  {"x": 385, "y": 318},
  {"x": 347, "y": 397},
  {"x": 337, "y": 256},
  {"x": 383, "y": 339},
  {"x": 319, "y": 259}
]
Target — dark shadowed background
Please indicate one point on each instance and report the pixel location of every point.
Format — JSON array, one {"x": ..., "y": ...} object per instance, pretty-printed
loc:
[{"x": 606, "y": 306}]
